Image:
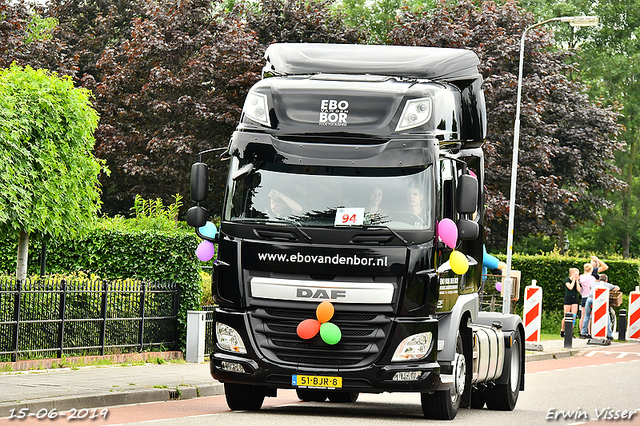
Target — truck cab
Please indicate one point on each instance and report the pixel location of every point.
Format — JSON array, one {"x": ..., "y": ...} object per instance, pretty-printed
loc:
[{"x": 351, "y": 241}]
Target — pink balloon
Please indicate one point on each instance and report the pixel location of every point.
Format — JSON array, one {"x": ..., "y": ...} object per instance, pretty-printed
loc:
[
  {"x": 448, "y": 232},
  {"x": 499, "y": 287},
  {"x": 205, "y": 251}
]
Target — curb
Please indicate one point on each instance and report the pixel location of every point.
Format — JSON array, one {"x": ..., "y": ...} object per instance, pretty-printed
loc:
[
  {"x": 43, "y": 364},
  {"x": 112, "y": 399}
]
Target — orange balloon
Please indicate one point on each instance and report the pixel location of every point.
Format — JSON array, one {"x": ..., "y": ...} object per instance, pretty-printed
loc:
[
  {"x": 308, "y": 328},
  {"x": 324, "y": 312}
]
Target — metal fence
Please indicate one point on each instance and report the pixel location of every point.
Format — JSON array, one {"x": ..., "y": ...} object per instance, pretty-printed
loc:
[
  {"x": 209, "y": 329},
  {"x": 51, "y": 317}
]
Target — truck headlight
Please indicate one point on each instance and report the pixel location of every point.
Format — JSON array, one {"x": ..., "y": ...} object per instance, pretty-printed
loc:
[
  {"x": 413, "y": 347},
  {"x": 256, "y": 108},
  {"x": 229, "y": 339},
  {"x": 416, "y": 112}
]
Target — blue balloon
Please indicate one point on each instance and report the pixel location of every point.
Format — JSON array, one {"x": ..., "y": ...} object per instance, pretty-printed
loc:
[
  {"x": 209, "y": 230},
  {"x": 488, "y": 261}
]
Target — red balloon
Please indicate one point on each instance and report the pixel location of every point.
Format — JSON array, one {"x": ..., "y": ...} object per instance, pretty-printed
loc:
[{"x": 308, "y": 328}]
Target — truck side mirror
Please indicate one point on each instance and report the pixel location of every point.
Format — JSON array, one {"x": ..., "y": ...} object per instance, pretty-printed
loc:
[
  {"x": 199, "y": 182},
  {"x": 197, "y": 216},
  {"x": 467, "y": 196},
  {"x": 468, "y": 229}
]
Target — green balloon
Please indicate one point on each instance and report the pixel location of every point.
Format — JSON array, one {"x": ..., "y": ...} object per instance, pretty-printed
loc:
[{"x": 330, "y": 333}]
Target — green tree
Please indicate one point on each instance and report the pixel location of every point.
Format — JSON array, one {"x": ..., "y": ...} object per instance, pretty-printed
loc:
[
  {"x": 610, "y": 65},
  {"x": 567, "y": 143},
  {"x": 49, "y": 179}
]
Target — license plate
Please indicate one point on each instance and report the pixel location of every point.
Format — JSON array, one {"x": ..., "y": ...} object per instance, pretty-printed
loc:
[{"x": 324, "y": 382}]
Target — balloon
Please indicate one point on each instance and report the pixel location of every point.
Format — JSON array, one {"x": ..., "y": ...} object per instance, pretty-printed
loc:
[
  {"x": 491, "y": 262},
  {"x": 458, "y": 262},
  {"x": 484, "y": 273},
  {"x": 308, "y": 328},
  {"x": 471, "y": 172},
  {"x": 499, "y": 286},
  {"x": 205, "y": 251},
  {"x": 502, "y": 265},
  {"x": 330, "y": 333},
  {"x": 448, "y": 232},
  {"x": 209, "y": 230},
  {"x": 324, "y": 311}
]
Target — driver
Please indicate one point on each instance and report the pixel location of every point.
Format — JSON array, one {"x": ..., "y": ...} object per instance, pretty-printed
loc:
[
  {"x": 282, "y": 205},
  {"x": 415, "y": 198}
]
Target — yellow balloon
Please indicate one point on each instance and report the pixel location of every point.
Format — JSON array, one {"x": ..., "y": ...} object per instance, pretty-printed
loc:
[{"x": 458, "y": 262}]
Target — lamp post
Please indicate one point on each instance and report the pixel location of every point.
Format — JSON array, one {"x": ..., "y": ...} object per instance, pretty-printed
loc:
[{"x": 574, "y": 21}]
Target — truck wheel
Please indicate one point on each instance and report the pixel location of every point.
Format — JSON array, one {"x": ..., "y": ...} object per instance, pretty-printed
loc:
[
  {"x": 244, "y": 397},
  {"x": 343, "y": 396},
  {"x": 444, "y": 405},
  {"x": 504, "y": 397},
  {"x": 311, "y": 395}
]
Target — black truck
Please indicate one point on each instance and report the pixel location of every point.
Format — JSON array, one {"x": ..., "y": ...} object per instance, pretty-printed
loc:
[{"x": 351, "y": 238}]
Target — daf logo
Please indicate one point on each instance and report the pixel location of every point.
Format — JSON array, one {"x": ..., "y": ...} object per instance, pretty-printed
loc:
[{"x": 307, "y": 293}]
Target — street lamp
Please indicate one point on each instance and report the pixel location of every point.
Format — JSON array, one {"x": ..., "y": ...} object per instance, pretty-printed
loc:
[{"x": 574, "y": 21}]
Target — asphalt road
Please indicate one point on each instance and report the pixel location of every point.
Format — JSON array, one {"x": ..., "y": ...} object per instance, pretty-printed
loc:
[{"x": 568, "y": 391}]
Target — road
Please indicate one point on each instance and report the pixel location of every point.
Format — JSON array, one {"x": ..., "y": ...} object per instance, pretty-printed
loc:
[{"x": 570, "y": 391}]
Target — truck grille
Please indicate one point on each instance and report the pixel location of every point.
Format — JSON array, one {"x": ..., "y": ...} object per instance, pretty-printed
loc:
[{"x": 363, "y": 337}]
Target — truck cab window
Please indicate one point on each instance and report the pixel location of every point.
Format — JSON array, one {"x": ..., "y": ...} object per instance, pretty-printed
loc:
[{"x": 400, "y": 199}]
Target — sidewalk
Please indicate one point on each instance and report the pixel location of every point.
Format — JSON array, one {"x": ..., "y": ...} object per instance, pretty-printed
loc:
[{"x": 98, "y": 387}]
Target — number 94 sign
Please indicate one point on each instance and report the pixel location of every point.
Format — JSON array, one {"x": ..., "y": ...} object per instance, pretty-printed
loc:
[{"x": 349, "y": 216}]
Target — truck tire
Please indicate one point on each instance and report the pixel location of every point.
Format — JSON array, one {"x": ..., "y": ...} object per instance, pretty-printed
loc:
[
  {"x": 504, "y": 397},
  {"x": 444, "y": 405},
  {"x": 311, "y": 395},
  {"x": 244, "y": 397},
  {"x": 343, "y": 396}
]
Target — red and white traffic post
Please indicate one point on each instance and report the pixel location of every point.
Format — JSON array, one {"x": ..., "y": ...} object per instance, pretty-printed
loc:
[
  {"x": 634, "y": 315},
  {"x": 532, "y": 312},
  {"x": 600, "y": 317}
]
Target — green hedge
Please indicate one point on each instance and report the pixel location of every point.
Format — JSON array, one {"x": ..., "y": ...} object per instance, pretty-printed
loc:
[
  {"x": 551, "y": 270},
  {"x": 118, "y": 252}
]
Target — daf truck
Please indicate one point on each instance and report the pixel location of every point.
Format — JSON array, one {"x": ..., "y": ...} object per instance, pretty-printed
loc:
[{"x": 351, "y": 238}]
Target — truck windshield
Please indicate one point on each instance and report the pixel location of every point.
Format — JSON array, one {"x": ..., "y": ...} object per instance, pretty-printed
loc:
[{"x": 315, "y": 196}]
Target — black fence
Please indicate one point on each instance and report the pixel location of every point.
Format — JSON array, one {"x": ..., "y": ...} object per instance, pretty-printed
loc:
[
  {"x": 209, "y": 329},
  {"x": 53, "y": 317}
]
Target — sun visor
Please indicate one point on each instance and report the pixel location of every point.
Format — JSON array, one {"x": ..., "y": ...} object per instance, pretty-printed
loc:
[{"x": 440, "y": 64}]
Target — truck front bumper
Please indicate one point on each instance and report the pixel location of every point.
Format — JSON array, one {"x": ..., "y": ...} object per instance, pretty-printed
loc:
[{"x": 254, "y": 368}]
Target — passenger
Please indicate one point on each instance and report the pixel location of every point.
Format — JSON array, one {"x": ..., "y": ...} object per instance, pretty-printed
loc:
[
  {"x": 282, "y": 206},
  {"x": 586, "y": 282},
  {"x": 572, "y": 287},
  {"x": 375, "y": 200},
  {"x": 604, "y": 282},
  {"x": 416, "y": 202}
]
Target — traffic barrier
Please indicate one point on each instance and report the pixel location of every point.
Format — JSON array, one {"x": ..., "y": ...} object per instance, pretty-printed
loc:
[
  {"x": 600, "y": 324},
  {"x": 634, "y": 315},
  {"x": 532, "y": 312}
]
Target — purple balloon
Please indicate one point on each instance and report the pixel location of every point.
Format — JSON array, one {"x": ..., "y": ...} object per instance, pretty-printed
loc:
[
  {"x": 499, "y": 287},
  {"x": 205, "y": 251},
  {"x": 448, "y": 232}
]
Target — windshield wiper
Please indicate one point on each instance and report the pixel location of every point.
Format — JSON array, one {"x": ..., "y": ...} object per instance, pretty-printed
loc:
[
  {"x": 295, "y": 225},
  {"x": 400, "y": 237}
]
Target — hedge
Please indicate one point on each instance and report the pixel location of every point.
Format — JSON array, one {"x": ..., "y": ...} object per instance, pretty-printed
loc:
[
  {"x": 113, "y": 253},
  {"x": 551, "y": 270}
]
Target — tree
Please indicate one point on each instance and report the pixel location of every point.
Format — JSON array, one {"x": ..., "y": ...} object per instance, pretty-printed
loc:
[
  {"x": 49, "y": 182},
  {"x": 27, "y": 38},
  {"x": 610, "y": 65},
  {"x": 567, "y": 143}
]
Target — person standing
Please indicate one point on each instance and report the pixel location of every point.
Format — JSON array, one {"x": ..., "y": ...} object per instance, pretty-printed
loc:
[
  {"x": 571, "y": 289},
  {"x": 604, "y": 282},
  {"x": 598, "y": 267},
  {"x": 586, "y": 282}
]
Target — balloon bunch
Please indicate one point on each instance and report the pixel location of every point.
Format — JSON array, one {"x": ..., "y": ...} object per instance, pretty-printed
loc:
[
  {"x": 491, "y": 262},
  {"x": 448, "y": 233},
  {"x": 329, "y": 332},
  {"x": 206, "y": 250}
]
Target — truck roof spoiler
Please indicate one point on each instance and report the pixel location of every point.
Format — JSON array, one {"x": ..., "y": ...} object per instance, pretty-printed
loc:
[{"x": 434, "y": 63}]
